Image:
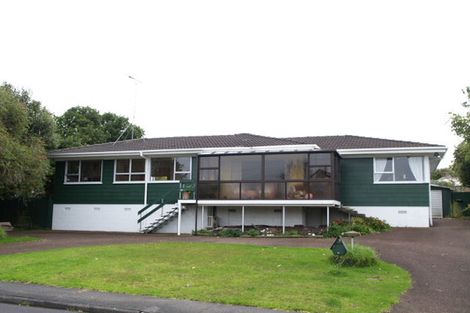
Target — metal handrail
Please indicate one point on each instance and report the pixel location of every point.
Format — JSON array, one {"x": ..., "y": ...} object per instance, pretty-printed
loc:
[{"x": 148, "y": 206}]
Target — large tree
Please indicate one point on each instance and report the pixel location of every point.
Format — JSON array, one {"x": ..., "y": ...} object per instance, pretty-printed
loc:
[
  {"x": 461, "y": 126},
  {"x": 84, "y": 126},
  {"x": 23, "y": 158}
]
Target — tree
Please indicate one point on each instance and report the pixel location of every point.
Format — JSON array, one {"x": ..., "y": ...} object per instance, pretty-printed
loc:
[
  {"x": 461, "y": 126},
  {"x": 41, "y": 123},
  {"x": 23, "y": 158},
  {"x": 84, "y": 126}
]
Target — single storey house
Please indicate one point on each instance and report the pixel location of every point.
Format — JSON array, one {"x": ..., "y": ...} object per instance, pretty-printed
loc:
[{"x": 178, "y": 184}]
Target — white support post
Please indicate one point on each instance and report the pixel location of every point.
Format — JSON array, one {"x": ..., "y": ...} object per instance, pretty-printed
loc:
[
  {"x": 327, "y": 216},
  {"x": 179, "y": 218},
  {"x": 243, "y": 219},
  {"x": 147, "y": 178},
  {"x": 202, "y": 217},
  {"x": 283, "y": 219}
]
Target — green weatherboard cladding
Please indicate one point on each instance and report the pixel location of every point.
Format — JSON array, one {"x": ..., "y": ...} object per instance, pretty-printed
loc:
[
  {"x": 358, "y": 188},
  {"x": 110, "y": 193}
]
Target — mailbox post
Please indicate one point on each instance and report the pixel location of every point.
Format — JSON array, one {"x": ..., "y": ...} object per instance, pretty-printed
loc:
[{"x": 351, "y": 234}]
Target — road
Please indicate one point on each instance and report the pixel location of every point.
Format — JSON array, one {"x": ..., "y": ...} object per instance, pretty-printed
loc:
[{"x": 11, "y": 308}]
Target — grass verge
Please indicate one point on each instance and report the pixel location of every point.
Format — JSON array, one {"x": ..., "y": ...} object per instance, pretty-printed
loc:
[
  {"x": 299, "y": 279},
  {"x": 10, "y": 239}
]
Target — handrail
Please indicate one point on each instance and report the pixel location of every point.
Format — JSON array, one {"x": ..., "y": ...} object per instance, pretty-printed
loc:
[
  {"x": 145, "y": 208},
  {"x": 162, "y": 202},
  {"x": 150, "y": 213}
]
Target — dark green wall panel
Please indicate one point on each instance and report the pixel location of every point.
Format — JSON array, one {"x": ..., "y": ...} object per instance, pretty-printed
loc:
[
  {"x": 358, "y": 188},
  {"x": 109, "y": 193}
]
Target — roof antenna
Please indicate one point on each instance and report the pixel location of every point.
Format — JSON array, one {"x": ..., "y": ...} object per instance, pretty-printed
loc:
[{"x": 131, "y": 125}]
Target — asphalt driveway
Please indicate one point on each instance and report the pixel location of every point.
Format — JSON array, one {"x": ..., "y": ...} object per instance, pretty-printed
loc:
[{"x": 438, "y": 257}]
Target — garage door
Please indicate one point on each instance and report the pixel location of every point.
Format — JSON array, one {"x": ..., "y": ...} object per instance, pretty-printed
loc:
[{"x": 436, "y": 203}]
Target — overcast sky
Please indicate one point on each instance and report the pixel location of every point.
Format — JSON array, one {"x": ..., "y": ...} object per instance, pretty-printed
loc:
[{"x": 390, "y": 69}]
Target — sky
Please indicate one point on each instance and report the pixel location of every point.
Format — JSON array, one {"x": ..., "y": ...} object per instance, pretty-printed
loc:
[{"x": 388, "y": 69}]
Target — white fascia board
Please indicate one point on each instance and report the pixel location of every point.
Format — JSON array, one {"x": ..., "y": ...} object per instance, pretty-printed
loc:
[
  {"x": 121, "y": 154},
  {"x": 166, "y": 152},
  {"x": 441, "y": 150},
  {"x": 319, "y": 203}
]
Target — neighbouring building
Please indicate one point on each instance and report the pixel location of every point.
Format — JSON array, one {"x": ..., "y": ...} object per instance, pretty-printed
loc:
[{"x": 175, "y": 184}]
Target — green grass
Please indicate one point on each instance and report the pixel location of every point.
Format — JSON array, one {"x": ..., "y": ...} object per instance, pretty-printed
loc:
[
  {"x": 10, "y": 239},
  {"x": 301, "y": 279}
]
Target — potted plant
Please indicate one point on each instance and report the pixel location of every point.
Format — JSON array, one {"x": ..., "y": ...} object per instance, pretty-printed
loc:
[{"x": 187, "y": 190}]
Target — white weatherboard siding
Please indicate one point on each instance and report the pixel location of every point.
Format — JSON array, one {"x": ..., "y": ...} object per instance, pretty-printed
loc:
[
  {"x": 410, "y": 216},
  {"x": 436, "y": 203},
  {"x": 96, "y": 217}
]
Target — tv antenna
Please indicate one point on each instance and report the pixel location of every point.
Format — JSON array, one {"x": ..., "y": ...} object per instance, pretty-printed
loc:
[{"x": 131, "y": 125}]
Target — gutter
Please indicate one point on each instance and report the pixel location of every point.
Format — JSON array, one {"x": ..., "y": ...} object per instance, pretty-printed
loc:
[{"x": 432, "y": 151}]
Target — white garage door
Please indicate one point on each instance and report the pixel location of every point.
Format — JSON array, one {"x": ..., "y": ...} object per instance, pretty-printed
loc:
[{"x": 436, "y": 203}]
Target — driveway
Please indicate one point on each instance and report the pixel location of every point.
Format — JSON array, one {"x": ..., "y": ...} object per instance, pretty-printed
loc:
[{"x": 438, "y": 257}]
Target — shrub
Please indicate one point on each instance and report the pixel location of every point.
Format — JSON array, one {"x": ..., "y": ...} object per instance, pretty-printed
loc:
[
  {"x": 230, "y": 232},
  {"x": 291, "y": 233},
  {"x": 336, "y": 229},
  {"x": 204, "y": 232},
  {"x": 466, "y": 212},
  {"x": 3, "y": 233},
  {"x": 361, "y": 228},
  {"x": 253, "y": 232},
  {"x": 360, "y": 256},
  {"x": 372, "y": 223}
]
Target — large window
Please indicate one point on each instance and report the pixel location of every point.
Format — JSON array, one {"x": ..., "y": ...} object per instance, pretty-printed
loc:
[
  {"x": 399, "y": 169},
  {"x": 129, "y": 170},
  {"x": 170, "y": 169},
  {"x": 298, "y": 176},
  {"x": 83, "y": 171}
]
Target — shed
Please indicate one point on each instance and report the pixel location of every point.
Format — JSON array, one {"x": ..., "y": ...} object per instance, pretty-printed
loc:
[{"x": 441, "y": 201}]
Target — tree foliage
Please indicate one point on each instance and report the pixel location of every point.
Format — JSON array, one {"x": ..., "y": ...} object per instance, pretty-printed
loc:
[
  {"x": 461, "y": 126},
  {"x": 23, "y": 159},
  {"x": 84, "y": 125}
]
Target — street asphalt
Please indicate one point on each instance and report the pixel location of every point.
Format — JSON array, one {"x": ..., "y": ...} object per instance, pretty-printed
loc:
[{"x": 14, "y": 308}]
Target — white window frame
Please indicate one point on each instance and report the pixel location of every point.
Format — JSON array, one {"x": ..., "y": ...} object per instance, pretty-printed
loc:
[
  {"x": 174, "y": 171},
  {"x": 80, "y": 174},
  {"x": 393, "y": 173},
  {"x": 130, "y": 173}
]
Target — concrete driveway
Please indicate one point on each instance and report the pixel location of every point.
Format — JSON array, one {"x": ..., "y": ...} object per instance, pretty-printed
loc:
[{"x": 438, "y": 257}]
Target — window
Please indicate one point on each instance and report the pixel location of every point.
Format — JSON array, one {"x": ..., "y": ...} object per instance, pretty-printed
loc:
[
  {"x": 399, "y": 169},
  {"x": 240, "y": 167},
  {"x": 286, "y": 166},
  {"x": 171, "y": 169},
  {"x": 83, "y": 171},
  {"x": 129, "y": 170},
  {"x": 295, "y": 176},
  {"x": 320, "y": 166}
]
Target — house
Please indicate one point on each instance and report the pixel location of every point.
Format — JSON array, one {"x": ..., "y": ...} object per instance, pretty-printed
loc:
[{"x": 243, "y": 179}]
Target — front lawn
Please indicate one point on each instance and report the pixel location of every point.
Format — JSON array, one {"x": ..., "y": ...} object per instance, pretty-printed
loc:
[{"x": 286, "y": 278}]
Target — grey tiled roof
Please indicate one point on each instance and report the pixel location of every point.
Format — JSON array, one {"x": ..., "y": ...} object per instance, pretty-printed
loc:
[
  {"x": 356, "y": 142},
  {"x": 243, "y": 140},
  {"x": 187, "y": 142}
]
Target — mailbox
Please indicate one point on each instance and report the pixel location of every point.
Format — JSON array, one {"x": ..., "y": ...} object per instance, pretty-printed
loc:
[{"x": 338, "y": 247}]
